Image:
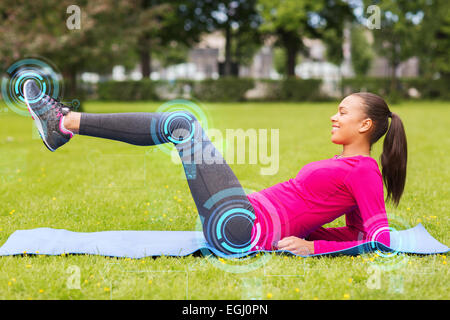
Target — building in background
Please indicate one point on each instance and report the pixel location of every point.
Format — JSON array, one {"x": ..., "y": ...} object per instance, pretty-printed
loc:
[{"x": 203, "y": 62}]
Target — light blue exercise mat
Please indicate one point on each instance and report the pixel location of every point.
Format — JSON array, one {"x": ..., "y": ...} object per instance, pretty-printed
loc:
[{"x": 139, "y": 244}]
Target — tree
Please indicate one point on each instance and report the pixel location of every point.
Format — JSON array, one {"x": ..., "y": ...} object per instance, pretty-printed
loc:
[
  {"x": 435, "y": 33},
  {"x": 292, "y": 20},
  {"x": 362, "y": 53},
  {"x": 154, "y": 26},
  {"x": 288, "y": 21},
  {"x": 397, "y": 37},
  {"x": 279, "y": 60},
  {"x": 38, "y": 28},
  {"x": 239, "y": 21},
  {"x": 247, "y": 40},
  {"x": 171, "y": 54},
  {"x": 143, "y": 22}
]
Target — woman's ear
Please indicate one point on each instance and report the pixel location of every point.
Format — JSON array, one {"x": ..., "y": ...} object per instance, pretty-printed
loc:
[{"x": 366, "y": 125}]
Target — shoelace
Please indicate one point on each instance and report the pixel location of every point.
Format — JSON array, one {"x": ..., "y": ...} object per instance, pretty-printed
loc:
[{"x": 55, "y": 104}]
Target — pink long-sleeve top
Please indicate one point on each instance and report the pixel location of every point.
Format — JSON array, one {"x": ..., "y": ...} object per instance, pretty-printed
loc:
[{"x": 321, "y": 192}]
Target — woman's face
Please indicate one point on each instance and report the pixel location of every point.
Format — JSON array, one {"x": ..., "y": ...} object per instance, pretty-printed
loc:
[{"x": 349, "y": 122}]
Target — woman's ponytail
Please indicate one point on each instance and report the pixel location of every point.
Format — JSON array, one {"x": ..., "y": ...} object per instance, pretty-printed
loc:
[
  {"x": 394, "y": 159},
  {"x": 395, "y": 152}
]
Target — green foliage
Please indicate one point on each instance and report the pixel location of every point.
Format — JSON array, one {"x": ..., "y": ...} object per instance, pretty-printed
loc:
[
  {"x": 222, "y": 89},
  {"x": 433, "y": 45},
  {"x": 289, "y": 15},
  {"x": 127, "y": 90},
  {"x": 291, "y": 21},
  {"x": 334, "y": 40},
  {"x": 292, "y": 89},
  {"x": 397, "y": 37},
  {"x": 288, "y": 22},
  {"x": 380, "y": 86},
  {"x": 235, "y": 89},
  {"x": 38, "y": 29},
  {"x": 279, "y": 60},
  {"x": 362, "y": 53},
  {"x": 415, "y": 28},
  {"x": 428, "y": 89},
  {"x": 174, "y": 53},
  {"x": 238, "y": 21},
  {"x": 334, "y": 17},
  {"x": 247, "y": 42},
  {"x": 111, "y": 32},
  {"x": 155, "y": 27}
]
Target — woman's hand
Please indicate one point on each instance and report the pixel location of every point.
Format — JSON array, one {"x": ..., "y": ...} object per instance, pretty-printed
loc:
[{"x": 296, "y": 245}]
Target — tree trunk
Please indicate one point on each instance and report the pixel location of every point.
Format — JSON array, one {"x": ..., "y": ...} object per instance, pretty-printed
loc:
[
  {"x": 145, "y": 46},
  {"x": 145, "y": 57},
  {"x": 393, "y": 86},
  {"x": 292, "y": 46},
  {"x": 237, "y": 58},
  {"x": 394, "y": 65},
  {"x": 71, "y": 96},
  {"x": 227, "y": 64},
  {"x": 70, "y": 86},
  {"x": 291, "y": 59}
]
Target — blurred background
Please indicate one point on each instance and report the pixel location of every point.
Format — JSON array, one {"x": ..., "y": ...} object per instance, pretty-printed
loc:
[
  {"x": 257, "y": 65},
  {"x": 236, "y": 50}
]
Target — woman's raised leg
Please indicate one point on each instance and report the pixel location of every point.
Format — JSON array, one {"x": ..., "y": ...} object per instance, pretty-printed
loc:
[{"x": 226, "y": 213}]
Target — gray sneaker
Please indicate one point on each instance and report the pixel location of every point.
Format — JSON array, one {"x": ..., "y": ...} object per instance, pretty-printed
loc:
[{"x": 48, "y": 114}]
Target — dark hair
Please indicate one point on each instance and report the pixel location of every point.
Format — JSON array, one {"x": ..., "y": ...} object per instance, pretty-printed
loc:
[{"x": 395, "y": 151}]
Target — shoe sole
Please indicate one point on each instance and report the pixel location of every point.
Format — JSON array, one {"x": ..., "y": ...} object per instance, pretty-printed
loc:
[{"x": 38, "y": 123}]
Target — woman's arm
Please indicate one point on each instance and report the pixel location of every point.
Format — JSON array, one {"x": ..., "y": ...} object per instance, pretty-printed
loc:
[
  {"x": 368, "y": 221},
  {"x": 343, "y": 235},
  {"x": 348, "y": 233},
  {"x": 334, "y": 239}
]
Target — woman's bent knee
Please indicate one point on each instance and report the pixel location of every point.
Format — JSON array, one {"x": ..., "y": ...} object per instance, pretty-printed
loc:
[{"x": 181, "y": 127}]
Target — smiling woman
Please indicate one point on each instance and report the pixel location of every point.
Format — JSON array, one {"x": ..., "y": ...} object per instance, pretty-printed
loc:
[
  {"x": 281, "y": 216},
  {"x": 349, "y": 183},
  {"x": 362, "y": 119}
]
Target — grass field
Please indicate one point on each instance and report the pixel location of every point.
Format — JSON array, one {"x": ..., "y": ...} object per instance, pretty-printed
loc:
[{"x": 95, "y": 185}]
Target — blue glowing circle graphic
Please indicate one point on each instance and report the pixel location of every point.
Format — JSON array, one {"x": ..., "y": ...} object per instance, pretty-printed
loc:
[
  {"x": 175, "y": 116},
  {"x": 220, "y": 227},
  {"x": 38, "y": 70},
  {"x": 75, "y": 103},
  {"x": 181, "y": 107},
  {"x": 251, "y": 260},
  {"x": 394, "y": 259}
]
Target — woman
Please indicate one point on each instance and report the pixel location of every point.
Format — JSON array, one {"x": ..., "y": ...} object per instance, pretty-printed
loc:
[{"x": 286, "y": 216}]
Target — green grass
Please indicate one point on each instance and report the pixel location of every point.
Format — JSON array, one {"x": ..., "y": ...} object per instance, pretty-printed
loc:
[{"x": 95, "y": 185}]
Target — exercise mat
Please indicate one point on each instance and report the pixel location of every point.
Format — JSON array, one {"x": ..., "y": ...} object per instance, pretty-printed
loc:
[{"x": 139, "y": 244}]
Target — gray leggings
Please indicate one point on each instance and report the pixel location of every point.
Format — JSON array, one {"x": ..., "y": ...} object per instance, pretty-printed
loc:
[{"x": 226, "y": 214}]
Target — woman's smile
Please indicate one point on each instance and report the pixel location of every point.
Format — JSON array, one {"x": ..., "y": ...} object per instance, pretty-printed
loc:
[{"x": 334, "y": 128}]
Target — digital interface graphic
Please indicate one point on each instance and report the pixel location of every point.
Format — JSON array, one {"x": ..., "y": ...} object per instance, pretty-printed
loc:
[
  {"x": 42, "y": 72},
  {"x": 224, "y": 159},
  {"x": 180, "y": 108}
]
